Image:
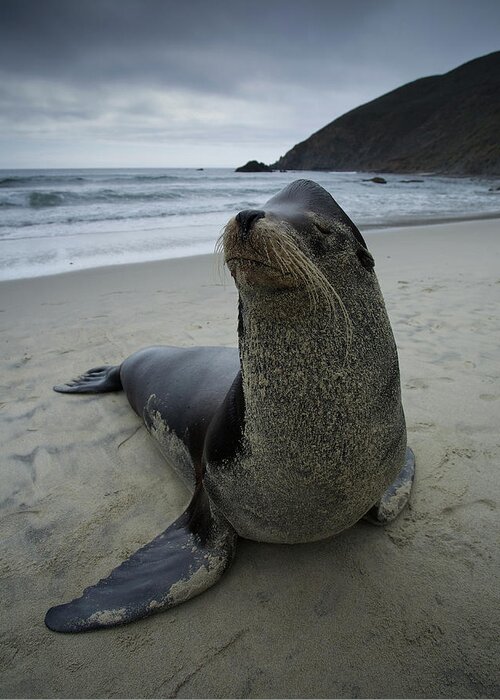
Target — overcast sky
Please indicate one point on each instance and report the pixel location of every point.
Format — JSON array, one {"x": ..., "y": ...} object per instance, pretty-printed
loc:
[{"x": 199, "y": 83}]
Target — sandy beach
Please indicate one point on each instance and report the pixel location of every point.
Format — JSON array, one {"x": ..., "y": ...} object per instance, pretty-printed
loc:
[{"x": 412, "y": 610}]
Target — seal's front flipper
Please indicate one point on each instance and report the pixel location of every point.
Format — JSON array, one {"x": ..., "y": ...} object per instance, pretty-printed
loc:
[
  {"x": 189, "y": 557},
  {"x": 397, "y": 495},
  {"x": 96, "y": 381}
]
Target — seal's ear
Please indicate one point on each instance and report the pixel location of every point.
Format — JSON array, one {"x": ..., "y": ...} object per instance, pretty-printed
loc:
[
  {"x": 365, "y": 258},
  {"x": 363, "y": 254},
  {"x": 356, "y": 232}
]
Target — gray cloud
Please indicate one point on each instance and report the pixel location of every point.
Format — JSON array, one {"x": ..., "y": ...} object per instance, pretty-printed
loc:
[
  {"x": 200, "y": 44},
  {"x": 267, "y": 71}
]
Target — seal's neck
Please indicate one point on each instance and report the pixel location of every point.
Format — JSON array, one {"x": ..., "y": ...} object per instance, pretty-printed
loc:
[{"x": 293, "y": 361}]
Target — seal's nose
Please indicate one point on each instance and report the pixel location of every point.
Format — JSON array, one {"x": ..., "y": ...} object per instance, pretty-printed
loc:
[{"x": 246, "y": 220}]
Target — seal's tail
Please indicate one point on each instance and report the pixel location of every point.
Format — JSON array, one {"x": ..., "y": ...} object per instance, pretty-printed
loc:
[{"x": 96, "y": 381}]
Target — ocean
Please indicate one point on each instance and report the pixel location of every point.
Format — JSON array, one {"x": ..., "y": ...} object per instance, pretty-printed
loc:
[{"x": 56, "y": 221}]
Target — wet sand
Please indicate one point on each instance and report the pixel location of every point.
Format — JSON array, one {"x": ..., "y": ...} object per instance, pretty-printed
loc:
[{"x": 412, "y": 610}]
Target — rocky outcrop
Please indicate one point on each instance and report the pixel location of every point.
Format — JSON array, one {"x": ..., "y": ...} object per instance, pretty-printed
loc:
[
  {"x": 254, "y": 167},
  {"x": 443, "y": 124}
]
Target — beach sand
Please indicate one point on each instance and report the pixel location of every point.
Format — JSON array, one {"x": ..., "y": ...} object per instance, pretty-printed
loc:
[{"x": 412, "y": 610}]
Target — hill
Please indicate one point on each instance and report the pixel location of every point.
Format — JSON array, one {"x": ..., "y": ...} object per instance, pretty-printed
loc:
[{"x": 446, "y": 123}]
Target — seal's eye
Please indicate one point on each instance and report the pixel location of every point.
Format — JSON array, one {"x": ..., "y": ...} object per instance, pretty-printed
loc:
[{"x": 322, "y": 229}]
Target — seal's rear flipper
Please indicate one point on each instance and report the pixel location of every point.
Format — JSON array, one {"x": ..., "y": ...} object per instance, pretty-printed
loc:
[
  {"x": 397, "y": 495},
  {"x": 189, "y": 557},
  {"x": 97, "y": 380}
]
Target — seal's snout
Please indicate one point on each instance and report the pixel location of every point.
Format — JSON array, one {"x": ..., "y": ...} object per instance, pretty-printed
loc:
[{"x": 246, "y": 219}]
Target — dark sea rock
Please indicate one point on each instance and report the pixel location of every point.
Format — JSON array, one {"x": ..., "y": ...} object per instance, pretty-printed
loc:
[
  {"x": 254, "y": 166},
  {"x": 377, "y": 179},
  {"x": 441, "y": 124}
]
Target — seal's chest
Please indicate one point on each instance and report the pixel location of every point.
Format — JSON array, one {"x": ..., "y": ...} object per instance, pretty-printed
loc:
[{"x": 273, "y": 496}]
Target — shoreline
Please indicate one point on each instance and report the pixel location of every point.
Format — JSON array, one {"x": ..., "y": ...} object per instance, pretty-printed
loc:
[
  {"x": 409, "y": 610},
  {"x": 371, "y": 228},
  {"x": 431, "y": 222}
]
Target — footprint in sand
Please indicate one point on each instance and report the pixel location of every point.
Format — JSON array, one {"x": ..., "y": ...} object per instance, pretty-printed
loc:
[
  {"x": 416, "y": 384},
  {"x": 485, "y": 503},
  {"x": 422, "y": 427},
  {"x": 488, "y": 397}
]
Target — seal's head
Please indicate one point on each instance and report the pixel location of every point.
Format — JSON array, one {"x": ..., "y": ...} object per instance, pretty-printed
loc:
[{"x": 301, "y": 239}]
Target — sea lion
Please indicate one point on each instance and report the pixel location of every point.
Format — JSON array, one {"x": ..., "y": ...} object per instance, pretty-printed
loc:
[{"x": 292, "y": 438}]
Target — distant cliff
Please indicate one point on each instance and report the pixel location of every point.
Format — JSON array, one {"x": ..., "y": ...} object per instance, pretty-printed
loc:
[{"x": 444, "y": 123}]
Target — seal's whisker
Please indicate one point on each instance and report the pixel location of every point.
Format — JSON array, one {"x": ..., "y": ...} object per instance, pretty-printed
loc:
[
  {"x": 220, "y": 256},
  {"x": 271, "y": 244},
  {"x": 302, "y": 273},
  {"x": 308, "y": 273},
  {"x": 316, "y": 283},
  {"x": 268, "y": 257}
]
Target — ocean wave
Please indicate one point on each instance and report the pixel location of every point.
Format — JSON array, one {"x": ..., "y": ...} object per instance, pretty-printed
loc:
[
  {"x": 38, "y": 199},
  {"x": 156, "y": 178},
  {"x": 134, "y": 214},
  {"x": 68, "y": 179},
  {"x": 27, "y": 180},
  {"x": 18, "y": 181},
  {"x": 46, "y": 199},
  {"x": 109, "y": 217}
]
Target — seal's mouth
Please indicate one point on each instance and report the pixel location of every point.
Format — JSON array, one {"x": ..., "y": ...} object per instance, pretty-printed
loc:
[
  {"x": 255, "y": 260},
  {"x": 235, "y": 259},
  {"x": 248, "y": 270}
]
